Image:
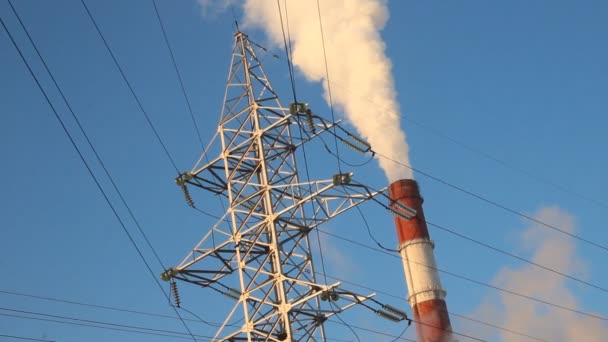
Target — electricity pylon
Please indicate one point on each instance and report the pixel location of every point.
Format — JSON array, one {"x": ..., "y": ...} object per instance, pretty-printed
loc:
[{"x": 259, "y": 253}]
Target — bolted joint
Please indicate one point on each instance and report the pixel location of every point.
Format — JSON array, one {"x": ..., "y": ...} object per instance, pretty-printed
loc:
[
  {"x": 183, "y": 178},
  {"x": 169, "y": 274},
  {"x": 320, "y": 318},
  {"x": 298, "y": 107},
  {"x": 330, "y": 295},
  {"x": 342, "y": 178}
]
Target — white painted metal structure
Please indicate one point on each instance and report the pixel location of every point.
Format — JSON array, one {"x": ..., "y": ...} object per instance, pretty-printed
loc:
[{"x": 259, "y": 252}]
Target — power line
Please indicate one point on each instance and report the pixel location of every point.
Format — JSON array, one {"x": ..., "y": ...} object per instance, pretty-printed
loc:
[
  {"x": 483, "y": 244},
  {"x": 494, "y": 203},
  {"x": 514, "y": 293},
  {"x": 179, "y": 76},
  {"x": 71, "y": 302},
  {"x": 124, "y": 77},
  {"x": 475, "y": 241},
  {"x": 104, "y": 307},
  {"x": 186, "y": 97},
  {"x": 86, "y": 164},
  {"x": 515, "y": 256},
  {"x": 350, "y": 327},
  {"x": 333, "y": 118},
  {"x": 450, "y": 331},
  {"x": 375, "y": 331},
  {"x": 497, "y": 327},
  {"x": 518, "y": 257},
  {"x": 383, "y": 249},
  {"x": 25, "y": 338},
  {"x": 90, "y": 321},
  {"x": 481, "y": 153},
  {"x": 488, "y": 156},
  {"x": 86, "y": 136},
  {"x": 398, "y": 337},
  {"x": 93, "y": 324},
  {"x": 486, "y": 245},
  {"x": 288, "y": 53},
  {"x": 103, "y": 325},
  {"x": 293, "y": 87},
  {"x": 506, "y": 253},
  {"x": 504, "y": 163},
  {"x": 329, "y": 93},
  {"x": 182, "y": 85},
  {"x": 449, "y": 312},
  {"x": 98, "y": 157}
]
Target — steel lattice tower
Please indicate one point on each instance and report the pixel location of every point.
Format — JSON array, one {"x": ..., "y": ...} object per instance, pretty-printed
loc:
[{"x": 259, "y": 251}]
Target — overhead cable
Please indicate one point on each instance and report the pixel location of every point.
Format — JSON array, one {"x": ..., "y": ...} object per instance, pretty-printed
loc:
[
  {"x": 511, "y": 292},
  {"x": 86, "y": 164},
  {"x": 25, "y": 338},
  {"x": 179, "y": 76},
  {"x": 128, "y": 83},
  {"x": 494, "y": 203}
]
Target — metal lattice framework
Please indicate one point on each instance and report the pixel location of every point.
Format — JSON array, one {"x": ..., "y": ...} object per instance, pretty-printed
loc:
[{"x": 260, "y": 245}]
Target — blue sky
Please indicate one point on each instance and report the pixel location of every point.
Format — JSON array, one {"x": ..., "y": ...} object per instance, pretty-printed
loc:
[{"x": 506, "y": 100}]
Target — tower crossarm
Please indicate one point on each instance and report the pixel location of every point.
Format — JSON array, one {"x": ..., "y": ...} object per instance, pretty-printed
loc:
[
  {"x": 236, "y": 159},
  {"x": 214, "y": 256},
  {"x": 336, "y": 300}
]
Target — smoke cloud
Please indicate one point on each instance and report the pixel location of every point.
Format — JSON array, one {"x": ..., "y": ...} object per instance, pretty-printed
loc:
[
  {"x": 536, "y": 319},
  {"x": 362, "y": 86}
]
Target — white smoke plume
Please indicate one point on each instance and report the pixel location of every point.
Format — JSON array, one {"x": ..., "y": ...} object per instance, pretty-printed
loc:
[
  {"x": 549, "y": 323},
  {"x": 359, "y": 71}
]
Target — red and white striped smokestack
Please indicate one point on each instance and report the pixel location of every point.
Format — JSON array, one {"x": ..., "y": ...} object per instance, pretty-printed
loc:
[{"x": 425, "y": 294}]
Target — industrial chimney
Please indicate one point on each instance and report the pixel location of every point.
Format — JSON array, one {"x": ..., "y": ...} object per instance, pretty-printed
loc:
[{"x": 425, "y": 294}]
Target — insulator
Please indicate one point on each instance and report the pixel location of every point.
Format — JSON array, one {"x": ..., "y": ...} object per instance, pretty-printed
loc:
[
  {"x": 406, "y": 216},
  {"x": 394, "y": 310},
  {"x": 360, "y": 140},
  {"x": 186, "y": 192},
  {"x": 388, "y": 316},
  {"x": 311, "y": 124},
  {"x": 347, "y": 143},
  {"x": 235, "y": 291},
  {"x": 334, "y": 296},
  {"x": 400, "y": 206},
  {"x": 355, "y": 147},
  {"x": 232, "y": 295},
  {"x": 175, "y": 294},
  {"x": 395, "y": 212}
]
